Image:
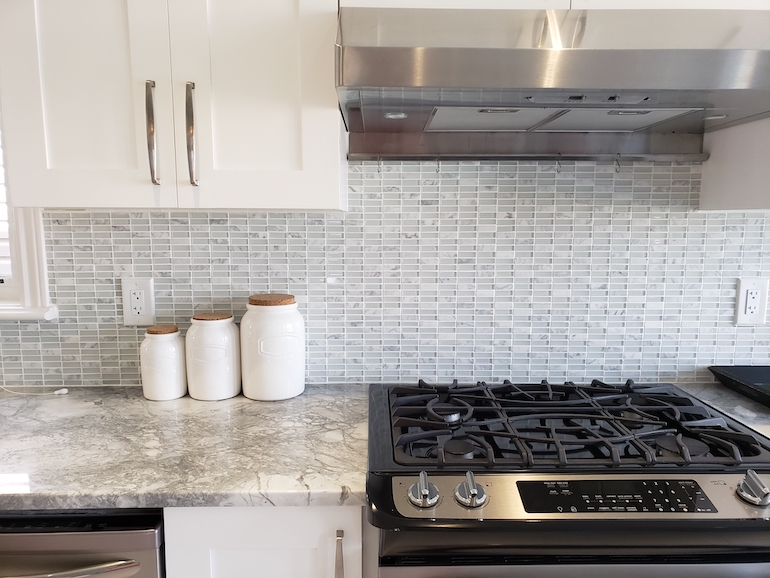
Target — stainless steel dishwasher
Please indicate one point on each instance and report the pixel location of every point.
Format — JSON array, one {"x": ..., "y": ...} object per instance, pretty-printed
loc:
[{"x": 81, "y": 544}]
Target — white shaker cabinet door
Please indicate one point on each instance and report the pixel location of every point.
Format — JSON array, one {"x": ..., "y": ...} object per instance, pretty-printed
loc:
[
  {"x": 279, "y": 542},
  {"x": 73, "y": 94},
  {"x": 260, "y": 79}
]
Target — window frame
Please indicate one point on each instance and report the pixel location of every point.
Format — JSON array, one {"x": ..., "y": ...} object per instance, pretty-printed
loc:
[{"x": 27, "y": 297}]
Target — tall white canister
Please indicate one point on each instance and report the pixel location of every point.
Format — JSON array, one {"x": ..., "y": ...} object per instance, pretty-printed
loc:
[
  {"x": 213, "y": 357},
  {"x": 272, "y": 347},
  {"x": 162, "y": 362}
]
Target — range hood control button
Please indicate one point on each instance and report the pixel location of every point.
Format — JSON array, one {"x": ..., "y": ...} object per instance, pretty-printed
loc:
[
  {"x": 469, "y": 493},
  {"x": 752, "y": 489},
  {"x": 423, "y": 494}
]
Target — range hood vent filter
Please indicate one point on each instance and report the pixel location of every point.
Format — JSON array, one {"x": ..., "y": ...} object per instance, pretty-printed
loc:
[{"x": 463, "y": 118}]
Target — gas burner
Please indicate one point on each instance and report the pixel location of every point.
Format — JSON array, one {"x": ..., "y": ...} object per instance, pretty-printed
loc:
[
  {"x": 453, "y": 449},
  {"x": 452, "y": 412},
  {"x": 462, "y": 448},
  {"x": 682, "y": 446}
]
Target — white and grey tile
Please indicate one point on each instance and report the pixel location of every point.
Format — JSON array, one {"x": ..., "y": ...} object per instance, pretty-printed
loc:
[{"x": 475, "y": 270}]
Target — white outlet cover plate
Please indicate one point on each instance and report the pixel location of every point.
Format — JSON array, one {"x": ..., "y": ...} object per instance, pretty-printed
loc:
[
  {"x": 147, "y": 285},
  {"x": 755, "y": 315}
]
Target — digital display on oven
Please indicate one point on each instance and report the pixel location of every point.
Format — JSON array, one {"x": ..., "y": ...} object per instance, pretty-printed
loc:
[{"x": 613, "y": 496}]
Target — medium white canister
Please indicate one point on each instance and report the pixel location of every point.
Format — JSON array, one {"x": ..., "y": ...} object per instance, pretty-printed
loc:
[
  {"x": 162, "y": 362},
  {"x": 213, "y": 357},
  {"x": 272, "y": 348}
]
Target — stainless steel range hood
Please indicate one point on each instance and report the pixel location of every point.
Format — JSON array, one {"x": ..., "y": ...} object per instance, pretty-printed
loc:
[{"x": 631, "y": 84}]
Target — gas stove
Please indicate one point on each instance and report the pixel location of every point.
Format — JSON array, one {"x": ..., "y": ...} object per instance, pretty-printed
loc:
[
  {"x": 564, "y": 427},
  {"x": 456, "y": 467}
]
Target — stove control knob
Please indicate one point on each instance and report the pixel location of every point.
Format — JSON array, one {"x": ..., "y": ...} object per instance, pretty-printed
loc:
[
  {"x": 752, "y": 489},
  {"x": 469, "y": 493},
  {"x": 423, "y": 494}
]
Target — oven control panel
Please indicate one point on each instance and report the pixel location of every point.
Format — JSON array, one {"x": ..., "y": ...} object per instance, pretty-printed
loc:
[
  {"x": 556, "y": 496},
  {"x": 514, "y": 496}
]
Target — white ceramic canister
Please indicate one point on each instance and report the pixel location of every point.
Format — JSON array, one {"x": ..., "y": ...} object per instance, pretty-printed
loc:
[
  {"x": 213, "y": 357},
  {"x": 162, "y": 363},
  {"x": 272, "y": 348}
]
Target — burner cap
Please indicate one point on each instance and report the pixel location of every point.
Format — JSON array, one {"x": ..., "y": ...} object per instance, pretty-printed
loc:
[
  {"x": 462, "y": 448},
  {"x": 452, "y": 412},
  {"x": 669, "y": 443}
]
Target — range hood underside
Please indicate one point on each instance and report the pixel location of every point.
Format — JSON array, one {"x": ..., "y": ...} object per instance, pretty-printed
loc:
[{"x": 535, "y": 146}]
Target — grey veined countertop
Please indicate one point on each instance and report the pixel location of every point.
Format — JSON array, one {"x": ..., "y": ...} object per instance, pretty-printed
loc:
[{"x": 109, "y": 447}]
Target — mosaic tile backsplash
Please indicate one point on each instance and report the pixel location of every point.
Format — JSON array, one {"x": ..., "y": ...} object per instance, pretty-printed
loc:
[{"x": 472, "y": 270}]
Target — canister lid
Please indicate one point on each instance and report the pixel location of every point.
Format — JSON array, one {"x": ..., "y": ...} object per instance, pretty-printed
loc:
[
  {"x": 162, "y": 329},
  {"x": 271, "y": 299},
  {"x": 212, "y": 316}
]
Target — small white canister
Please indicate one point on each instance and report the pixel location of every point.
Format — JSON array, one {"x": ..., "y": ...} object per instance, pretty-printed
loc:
[
  {"x": 213, "y": 357},
  {"x": 162, "y": 362},
  {"x": 272, "y": 348}
]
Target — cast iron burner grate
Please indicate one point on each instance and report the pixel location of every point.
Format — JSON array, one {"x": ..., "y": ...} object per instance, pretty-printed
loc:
[{"x": 544, "y": 425}]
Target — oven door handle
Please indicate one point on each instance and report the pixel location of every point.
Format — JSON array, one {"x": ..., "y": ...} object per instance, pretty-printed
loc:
[{"x": 118, "y": 569}]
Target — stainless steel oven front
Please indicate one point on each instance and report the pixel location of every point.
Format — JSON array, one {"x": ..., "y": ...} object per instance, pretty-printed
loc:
[
  {"x": 547, "y": 525},
  {"x": 543, "y": 480}
]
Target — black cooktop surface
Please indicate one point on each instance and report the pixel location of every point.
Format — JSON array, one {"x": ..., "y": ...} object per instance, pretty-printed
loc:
[{"x": 543, "y": 426}]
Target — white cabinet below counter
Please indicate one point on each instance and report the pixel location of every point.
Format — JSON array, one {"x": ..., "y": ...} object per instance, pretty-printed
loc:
[
  {"x": 275, "y": 542},
  {"x": 236, "y": 94}
]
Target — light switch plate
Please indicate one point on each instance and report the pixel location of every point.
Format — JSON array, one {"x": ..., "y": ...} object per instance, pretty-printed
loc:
[
  {"x": 751, "y": 301},
  {"x": 138, "y": 301}
]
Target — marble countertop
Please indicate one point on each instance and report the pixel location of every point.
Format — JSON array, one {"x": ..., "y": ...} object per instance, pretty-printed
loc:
[{"x": 107, "y": 447}]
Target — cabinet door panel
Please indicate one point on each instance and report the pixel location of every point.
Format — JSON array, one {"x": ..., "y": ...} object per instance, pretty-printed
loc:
[
  {"x": 266, "y": 116},
  {"x": 244, "y": 136},
  {"x": 72, "y": 78},
  {"x": 277, "y": 562},
  {"x": 97, "y": 116},
  {"x": 284, "y": 542}
]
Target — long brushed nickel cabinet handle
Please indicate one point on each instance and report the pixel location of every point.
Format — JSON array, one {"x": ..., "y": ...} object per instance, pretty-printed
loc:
[
  {"x": 190, "y": 130},
  {"x": 339, "y": 563},
  {"x": 152, "y": 139}
]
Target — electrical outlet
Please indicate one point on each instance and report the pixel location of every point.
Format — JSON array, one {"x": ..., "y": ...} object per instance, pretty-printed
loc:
[
  {"x": 751, "y": 302},
  {"x": 138, "y": 301}
]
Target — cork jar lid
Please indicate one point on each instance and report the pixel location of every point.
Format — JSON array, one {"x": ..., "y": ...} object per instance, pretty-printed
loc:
[
  {"x": 162, "y": 329},
  {"x": 269, "y": 299},
  {"x": 212, "y": 316}
]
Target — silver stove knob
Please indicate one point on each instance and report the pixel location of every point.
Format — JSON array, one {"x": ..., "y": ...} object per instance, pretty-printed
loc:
[
  {"x": 423, "y": 494},
  {"x": 469, "y": 493},
  {"x": 752, "y": 489}
]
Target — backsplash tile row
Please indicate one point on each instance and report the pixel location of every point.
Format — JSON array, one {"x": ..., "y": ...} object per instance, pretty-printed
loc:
[{"x": 467, "y": 270}]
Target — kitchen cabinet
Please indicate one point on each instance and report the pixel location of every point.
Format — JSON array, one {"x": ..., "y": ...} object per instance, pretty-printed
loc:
[
  {"x": 236, "y": 94},
  {"x": 281, "y": 542},
  {"x": 737, "y": 173}
]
